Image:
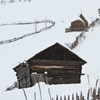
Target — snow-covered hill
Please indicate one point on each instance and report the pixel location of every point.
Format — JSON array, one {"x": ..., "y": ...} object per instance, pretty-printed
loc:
[{"x": 62, "y": 12}]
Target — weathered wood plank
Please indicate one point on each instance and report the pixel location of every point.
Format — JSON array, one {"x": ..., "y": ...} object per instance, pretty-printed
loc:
[
  {"x": 63, "y": 76},
  {"x": 23, "y": 74},
  {"x": 23, "y": 69},
  {"x": 24, "y": 77},
  {"x": 24, "y": 83},
  {"x": 58, "y": 71},
  {"x": 63, "y": 81},
  {"x": 55, "y": 67},
  {"x": 20, "y": 66},
  {"x": 53, "y": 72},
  {"x": 55, "y": 62}
]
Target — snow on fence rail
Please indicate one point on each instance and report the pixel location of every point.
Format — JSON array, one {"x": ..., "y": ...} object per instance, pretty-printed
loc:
[{"x": 28, "y": 34}]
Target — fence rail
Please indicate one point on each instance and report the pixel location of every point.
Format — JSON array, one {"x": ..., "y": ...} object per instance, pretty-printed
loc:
[{"x": 46, "y": 27}]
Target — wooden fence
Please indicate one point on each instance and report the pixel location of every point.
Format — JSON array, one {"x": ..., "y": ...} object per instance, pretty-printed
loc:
[
  {"x": 92, "y": 94},
  {"x": 46, "y": 27}
]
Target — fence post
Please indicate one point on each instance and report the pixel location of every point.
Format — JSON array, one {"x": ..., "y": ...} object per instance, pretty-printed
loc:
[
  {"x": 56, "y": 97},
  {"x": 68, "y": 97},
  {"x": 81, "y": 96},
  {"x": 72, "y": 96},
  {"x": 39, "y": 88},
  {"x": 49, "y": 93},
  {"x": 94, "y": 94},
  {"x": 25, "y": 94},
  {"x": 77, "y": 97},
  {"x": 52, "y": 98},
  {"x": 34, "y": 95},
  {"x": 35, "y": 26},
  {"x": 99, "y": 93},
  {"x": 88, "y": 94},
  {"x": 64, "y": 97},
  {"x": 46, "y": 22},
  {"x": 60, "y": 97}
]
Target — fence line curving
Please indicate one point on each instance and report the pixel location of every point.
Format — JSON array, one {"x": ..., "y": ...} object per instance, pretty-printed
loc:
[{"x": 28, "y": 34}]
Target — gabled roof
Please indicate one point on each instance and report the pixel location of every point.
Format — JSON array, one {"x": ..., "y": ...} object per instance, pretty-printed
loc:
[
  {"x": 57, "y": 52},
  {"x": 55, "y": 55}
]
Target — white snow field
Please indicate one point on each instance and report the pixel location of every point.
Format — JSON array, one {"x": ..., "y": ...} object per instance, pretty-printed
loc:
[{"x": 62, "y": 12}]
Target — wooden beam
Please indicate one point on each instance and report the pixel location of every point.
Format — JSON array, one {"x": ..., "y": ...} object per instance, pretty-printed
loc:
[{"x": 55, "y": 62}]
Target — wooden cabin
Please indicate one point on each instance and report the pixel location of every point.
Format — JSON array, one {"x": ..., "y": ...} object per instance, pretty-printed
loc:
[
  {"x": 78, "y": 25},
  {"x": 54, "y": 65}
]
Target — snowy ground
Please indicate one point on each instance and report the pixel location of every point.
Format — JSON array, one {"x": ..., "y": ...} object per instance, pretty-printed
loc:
[{"x": 62, "y": 12}]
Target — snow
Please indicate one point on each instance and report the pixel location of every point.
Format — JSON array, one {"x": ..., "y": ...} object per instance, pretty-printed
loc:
[{"x": 62, "y": 12}]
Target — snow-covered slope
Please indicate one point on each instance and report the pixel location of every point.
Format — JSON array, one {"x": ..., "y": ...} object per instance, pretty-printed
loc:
[
  {"x": 62, "y": 12},
  {"x": 91, "y": 48}
]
